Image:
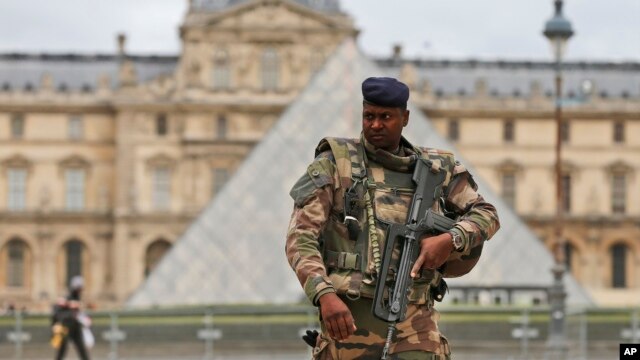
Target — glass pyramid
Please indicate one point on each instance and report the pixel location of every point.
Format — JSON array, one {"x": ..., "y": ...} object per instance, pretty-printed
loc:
[{"x": 234, "y": 251}]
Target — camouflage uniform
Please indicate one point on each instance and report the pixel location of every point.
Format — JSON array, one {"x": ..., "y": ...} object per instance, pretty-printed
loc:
[{"x": 328, "y": 256}]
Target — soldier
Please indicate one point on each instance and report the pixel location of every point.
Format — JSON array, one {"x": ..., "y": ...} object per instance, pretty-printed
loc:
[{"x": 342, "y": 204}]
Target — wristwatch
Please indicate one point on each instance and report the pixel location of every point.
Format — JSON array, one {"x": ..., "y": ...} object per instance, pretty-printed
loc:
[{"x": 456, "y": 240}]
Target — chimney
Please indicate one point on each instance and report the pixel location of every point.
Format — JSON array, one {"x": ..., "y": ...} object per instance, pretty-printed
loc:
[
  {"x": 397, "y": 51},
  {"x": 122, "y": 40}
]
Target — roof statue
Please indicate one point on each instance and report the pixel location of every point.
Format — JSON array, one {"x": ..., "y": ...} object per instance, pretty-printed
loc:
[{"x": 234, "y": 251}]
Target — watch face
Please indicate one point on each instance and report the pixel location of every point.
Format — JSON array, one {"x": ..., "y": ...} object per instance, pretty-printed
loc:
[{"x": 457, "y": 241}]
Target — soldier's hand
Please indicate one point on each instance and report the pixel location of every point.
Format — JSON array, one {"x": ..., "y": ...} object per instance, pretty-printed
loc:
[
  {"x": 434, "y": 251},
  {"x": 336, "y": 316}
]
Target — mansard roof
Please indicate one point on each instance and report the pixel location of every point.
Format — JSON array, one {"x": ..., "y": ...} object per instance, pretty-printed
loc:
[
  {"x": 506, "y": 78},
  {"x": 326, "y": 6},
  {"x": 234, "y": 251},
  {"x": 503, "y": 78},
  {"x": 19, "y": 71}
]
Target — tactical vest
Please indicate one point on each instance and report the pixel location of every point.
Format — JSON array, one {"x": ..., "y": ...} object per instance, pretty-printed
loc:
[{"x": 350, "y": 251}]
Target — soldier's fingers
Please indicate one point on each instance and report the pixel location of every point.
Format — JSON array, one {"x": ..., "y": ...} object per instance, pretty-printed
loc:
[
  {"x": 418, "y": 264},
  {"x": 329, "y": 325},
  {"x": 351, "y": 326},
  {"x": 342, "y": 328}
]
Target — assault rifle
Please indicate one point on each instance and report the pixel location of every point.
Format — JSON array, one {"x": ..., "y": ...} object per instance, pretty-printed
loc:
[{"x": 394, "y": 282}]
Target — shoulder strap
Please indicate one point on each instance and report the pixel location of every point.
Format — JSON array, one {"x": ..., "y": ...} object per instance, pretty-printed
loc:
[{"x": 349, "y": 158}]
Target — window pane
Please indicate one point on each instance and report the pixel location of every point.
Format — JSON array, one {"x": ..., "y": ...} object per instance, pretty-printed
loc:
[
  {"x": 568, "y": 257},
  {"x": 619, "y": 265},
  {"x": 619, "y": 194},
  {"x": 508, "y": 131},
  {"x": 161, "y": 188},
  {"x": 565, "y": 130},
  {"x": 221, "y": 127},
  {"x": 618, "y": 132},
  {"x": 73, "y": 251},
  {"x": 15, "y": 268},
  {"x": 161, "y": 124},
  {"x": 509, "y": 189},
  {"x": 17, "y": 181},
  {"x": 75, "y": 127},
  {"x": 221, "y": 70},
  {"x": 74, "y": 179},
  {"x": 17, "y": 126},
  {"x": 454, "y": 130},
  {"x": 269, "y": 69}
]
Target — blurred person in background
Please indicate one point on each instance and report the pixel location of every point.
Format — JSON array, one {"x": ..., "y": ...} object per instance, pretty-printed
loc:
[{"x": 69, "y": 322}]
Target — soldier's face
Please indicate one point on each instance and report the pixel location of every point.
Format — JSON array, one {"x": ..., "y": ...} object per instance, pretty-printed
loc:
[{"x": 382, "y": 126}]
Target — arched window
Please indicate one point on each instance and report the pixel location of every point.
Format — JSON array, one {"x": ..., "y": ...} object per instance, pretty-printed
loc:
[
  {"x": 619, "y": 266},
  {"x": 73, "y": 251},
  {"x": 155, "y": 251},
  {"x": 570, "y": 258},
  {"x": 221, "y": 70},
  {"x": 270, "y": 69},
  {"x": 16, "y": 263}
]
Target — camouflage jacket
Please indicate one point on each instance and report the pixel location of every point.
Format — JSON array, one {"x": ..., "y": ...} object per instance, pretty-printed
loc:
[{"x": 320, "y": 247}]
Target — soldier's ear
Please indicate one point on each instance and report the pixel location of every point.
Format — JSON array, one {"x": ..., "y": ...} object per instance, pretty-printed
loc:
[{"x": 406, "y": 118}]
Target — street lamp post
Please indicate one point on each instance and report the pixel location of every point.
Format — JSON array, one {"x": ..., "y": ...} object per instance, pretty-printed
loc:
[{"x": 558, "y": 30}]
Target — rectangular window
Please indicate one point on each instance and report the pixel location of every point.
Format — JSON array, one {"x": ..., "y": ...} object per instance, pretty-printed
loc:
[
  {"x": 161, "y": 125},
  {"x": 17, "y": 181},
  {"x": 75, "y": 129},
  {"x": 17, "y": 126},
  {"x": 161, "y": 188},
  {"x": 566, "y": 193},
  {"x": 619, "y": 194},
  {"x": 74, "y": 194},
  {"x": 270, "y": 65},
  {"x": 618, "y": 132},
  {"x": 508, "y": 131},
  {"x": 453, "y": 130},
  {"x": 565, "y": 131},
  {"x": 509, "y": 189},
  {"x": 220, "y": 177},
  {"x": 221, "y": 127},
  {"x": 221, "y": 70}
]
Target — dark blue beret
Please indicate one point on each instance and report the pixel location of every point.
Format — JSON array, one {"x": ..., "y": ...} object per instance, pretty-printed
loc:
[{"x": 385, "y": 91}]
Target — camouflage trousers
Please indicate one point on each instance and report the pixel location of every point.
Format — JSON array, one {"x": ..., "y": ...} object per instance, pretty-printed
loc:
[{"x": 416, "y": 338}]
